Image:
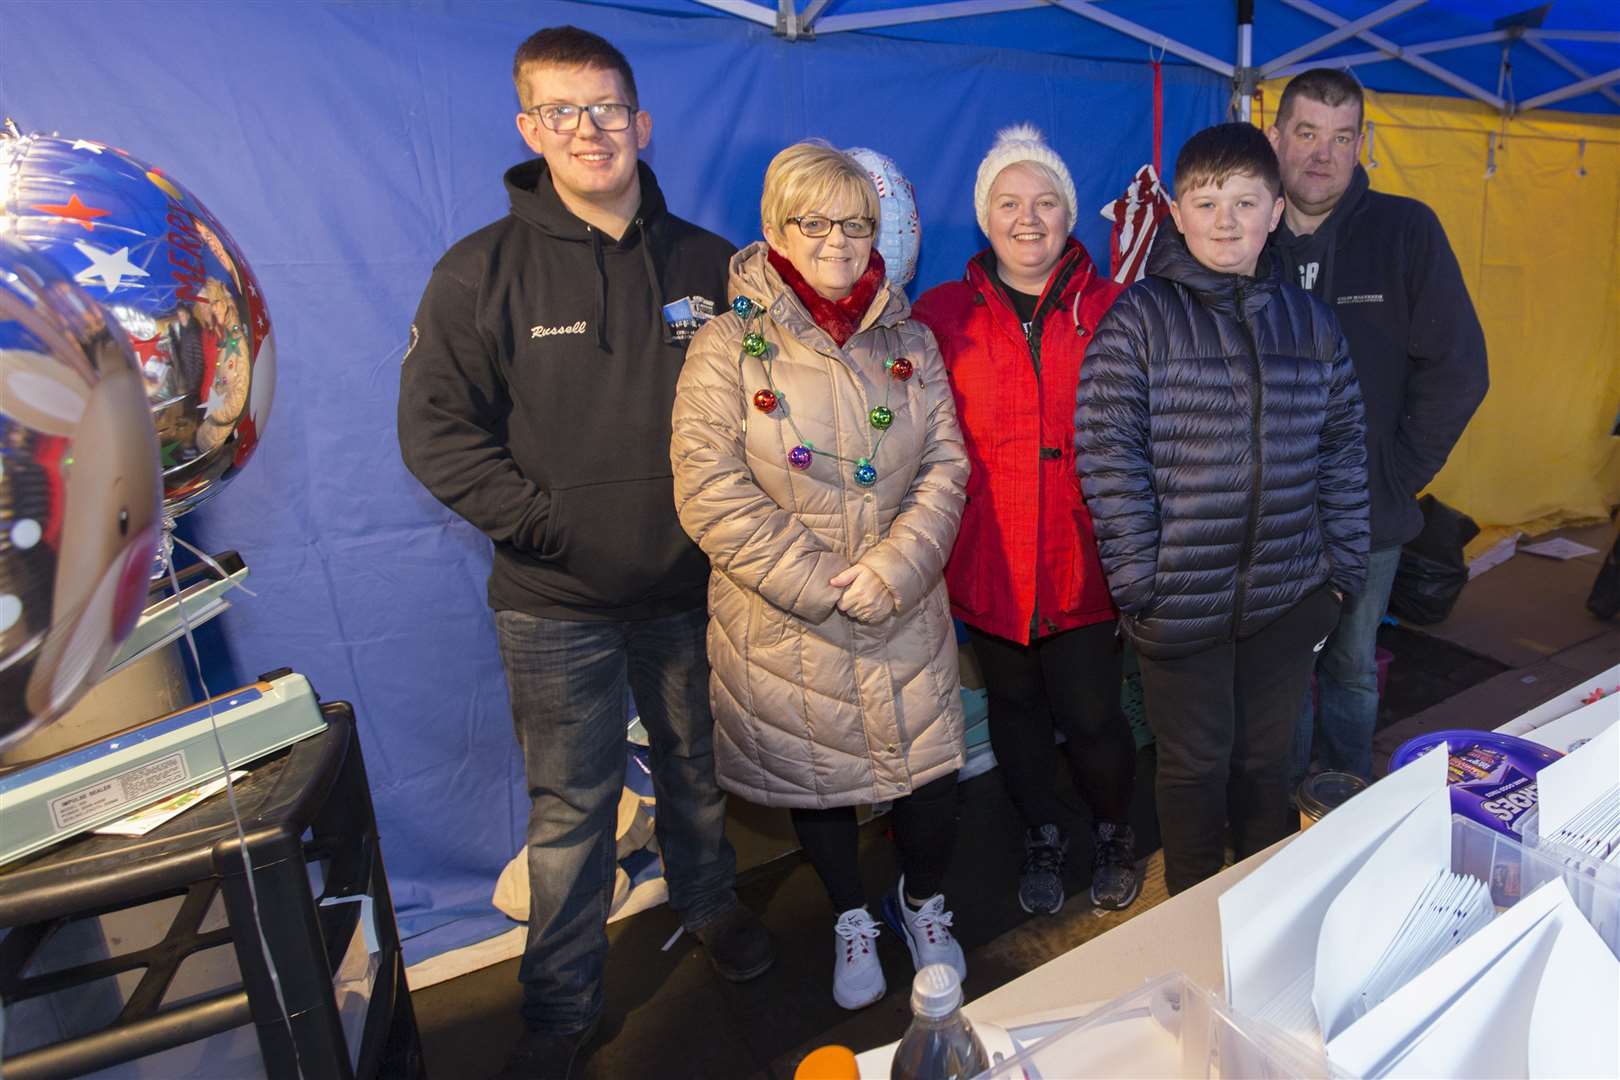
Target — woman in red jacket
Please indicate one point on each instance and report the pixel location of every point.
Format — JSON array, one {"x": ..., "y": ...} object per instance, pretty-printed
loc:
[{"x": 1024, "y": 574}]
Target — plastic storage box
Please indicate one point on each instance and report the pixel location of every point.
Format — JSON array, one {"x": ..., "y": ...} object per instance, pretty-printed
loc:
[
  {"x": 1595, "y": 884},
  {"x": 1516, "y": 869},
  {"x": 1170, "y": 1027}
]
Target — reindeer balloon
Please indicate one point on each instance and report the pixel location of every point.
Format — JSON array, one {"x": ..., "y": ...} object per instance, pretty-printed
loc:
[{"x": 80, "y": 491}]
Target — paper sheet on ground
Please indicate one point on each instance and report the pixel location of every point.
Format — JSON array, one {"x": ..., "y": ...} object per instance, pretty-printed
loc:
[
  {"x": 1271, "y": 920},
  {"x": 1558, "y": 548}
]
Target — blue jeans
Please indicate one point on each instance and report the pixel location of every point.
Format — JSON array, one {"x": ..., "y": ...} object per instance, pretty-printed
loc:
[
  {"x": 568, "y": 682},
  {"x": 1347, "y": 677}
]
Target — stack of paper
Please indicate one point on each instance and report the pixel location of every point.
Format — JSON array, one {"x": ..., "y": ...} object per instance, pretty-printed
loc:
[
  {"x": 1580, "y": 800},
  {"x": 1274, "y": 922},
  {"x": 1401, "y": 911},
  {"x": 1362, "y": 936},
  {"x": 1453, "y": 907},
  {"x": 1534, "y": 994}
]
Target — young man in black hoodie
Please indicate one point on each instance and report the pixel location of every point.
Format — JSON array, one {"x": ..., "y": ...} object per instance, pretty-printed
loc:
[
  {"x": 535, "y": 402},
  {"x": 1383, "y": 264}
]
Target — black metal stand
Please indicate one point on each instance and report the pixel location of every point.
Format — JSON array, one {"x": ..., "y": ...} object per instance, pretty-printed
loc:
[{"x": 308, "y": 804}]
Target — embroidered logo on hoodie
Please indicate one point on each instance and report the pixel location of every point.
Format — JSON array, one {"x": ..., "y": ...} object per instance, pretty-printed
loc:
[{"x": 550, "y": 331}]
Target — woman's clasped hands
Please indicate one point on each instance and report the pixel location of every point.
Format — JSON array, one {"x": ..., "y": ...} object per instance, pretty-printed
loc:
[{"x": 865, "y": 598}]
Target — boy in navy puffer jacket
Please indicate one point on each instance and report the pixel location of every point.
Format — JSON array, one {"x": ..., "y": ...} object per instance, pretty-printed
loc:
[{"x": 1220, "y": 445}]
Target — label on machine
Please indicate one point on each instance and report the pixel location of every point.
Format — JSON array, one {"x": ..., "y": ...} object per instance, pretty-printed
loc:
[{"x": 128, "y": 788}]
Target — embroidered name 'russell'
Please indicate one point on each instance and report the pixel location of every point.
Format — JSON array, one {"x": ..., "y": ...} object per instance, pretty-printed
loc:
[{"x": 548, "y": 331}]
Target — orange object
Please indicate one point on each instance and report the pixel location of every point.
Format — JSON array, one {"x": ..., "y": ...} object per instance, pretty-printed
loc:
[{"x": 828, "y": 1063}]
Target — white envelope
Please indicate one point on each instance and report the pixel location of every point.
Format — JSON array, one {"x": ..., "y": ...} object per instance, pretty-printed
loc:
[
  {"x": 1365, "y": 917},
  {"x": 1485, "y": 1033},
  {"x": 1573, "y": 1025},
  {"x": 1270, "y": 921},
  {"x": 1572, "y": 783},
  {"x": 1544, "y": 1009},
  {"x": 1581, "y": 724},
  {"x": 1484, "y": 992}
]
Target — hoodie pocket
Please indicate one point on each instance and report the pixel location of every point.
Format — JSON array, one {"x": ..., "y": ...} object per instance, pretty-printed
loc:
[
  {"x": 620, "y": 542},
  {"x": 550, "y": 547}
]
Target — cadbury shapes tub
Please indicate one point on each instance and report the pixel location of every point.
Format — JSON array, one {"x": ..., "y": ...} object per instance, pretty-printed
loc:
[{"x": 1492, "y": 777}]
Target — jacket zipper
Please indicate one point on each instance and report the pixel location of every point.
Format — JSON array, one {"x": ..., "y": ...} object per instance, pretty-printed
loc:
[
  {"x": 1256, "y": 402},
  {"x": 1032, "y": 338}
]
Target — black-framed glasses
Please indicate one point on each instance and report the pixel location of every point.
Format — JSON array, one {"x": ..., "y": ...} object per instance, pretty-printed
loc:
[
  {"x": 605, "y": 115},
  {"x": 816, "y": 226}
]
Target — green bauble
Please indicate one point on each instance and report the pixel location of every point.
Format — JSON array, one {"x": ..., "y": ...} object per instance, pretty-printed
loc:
[
  {"x": 881, "y": 417},
  {"x": 754, "y": 343}
]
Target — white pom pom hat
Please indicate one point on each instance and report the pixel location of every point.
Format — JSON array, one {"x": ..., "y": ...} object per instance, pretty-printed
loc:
[{"x": 1021, "y": 142}]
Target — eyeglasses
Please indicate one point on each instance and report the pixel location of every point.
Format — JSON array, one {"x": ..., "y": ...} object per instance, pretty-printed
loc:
[
  {"x": 607, "y": 115},
  {"x": 815, "y": 225}
]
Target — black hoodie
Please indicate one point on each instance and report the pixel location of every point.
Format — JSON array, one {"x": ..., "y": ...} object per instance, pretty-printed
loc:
[
  {"x": 536, "y": 394},
  {"x": 1383, "y": 264}
]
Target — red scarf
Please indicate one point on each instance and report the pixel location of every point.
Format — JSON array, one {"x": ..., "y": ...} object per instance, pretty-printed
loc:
[{"x": 839, "y": 318}]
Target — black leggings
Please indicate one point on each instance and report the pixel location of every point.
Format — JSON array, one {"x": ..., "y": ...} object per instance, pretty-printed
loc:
[
  {"x": 924, "y": 831},
  {"x": 1073, "y": 678}
]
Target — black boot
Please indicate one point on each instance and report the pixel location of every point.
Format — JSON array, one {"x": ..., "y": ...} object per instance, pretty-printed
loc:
[{"x": 738, "y": 944}]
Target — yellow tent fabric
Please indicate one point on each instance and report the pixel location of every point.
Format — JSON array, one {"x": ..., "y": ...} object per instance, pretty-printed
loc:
[{"x": 1532, "y": 207}]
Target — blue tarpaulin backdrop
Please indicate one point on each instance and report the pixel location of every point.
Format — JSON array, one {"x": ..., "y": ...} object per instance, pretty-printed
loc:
[{"x": 347, "y": 145}]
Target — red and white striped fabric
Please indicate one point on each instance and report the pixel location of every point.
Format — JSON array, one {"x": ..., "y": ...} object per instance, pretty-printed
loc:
[{"x": 1136, "y": 216}]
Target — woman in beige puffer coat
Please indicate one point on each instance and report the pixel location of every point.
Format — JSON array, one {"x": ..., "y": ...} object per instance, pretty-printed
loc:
[{"x": 834, "y": 676}]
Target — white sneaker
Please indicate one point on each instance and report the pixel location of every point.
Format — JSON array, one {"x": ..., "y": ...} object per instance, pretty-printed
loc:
[
  {"x": 857, "y": 975},
  {"x": 927, "y": 930}
]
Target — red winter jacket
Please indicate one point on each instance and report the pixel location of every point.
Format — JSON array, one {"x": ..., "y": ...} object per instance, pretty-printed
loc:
[{"x": 1026, "y": 545}]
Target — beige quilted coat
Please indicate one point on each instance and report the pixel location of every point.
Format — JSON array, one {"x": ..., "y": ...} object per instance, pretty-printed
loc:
[{"x": 811, "y": 707}]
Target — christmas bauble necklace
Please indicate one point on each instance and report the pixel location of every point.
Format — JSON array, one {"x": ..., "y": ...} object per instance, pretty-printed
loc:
[{"x": 767, "y": 400}]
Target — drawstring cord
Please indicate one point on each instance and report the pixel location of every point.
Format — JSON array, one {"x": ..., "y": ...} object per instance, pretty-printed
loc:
[
  {"x": 601, "y": 291},
  {"x": 652, "y": 280}
]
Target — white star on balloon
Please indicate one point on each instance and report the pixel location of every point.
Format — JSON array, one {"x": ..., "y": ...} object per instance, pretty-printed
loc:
[
  {"x": 82, "y": 144},
  {"x": 111, "y": 267}
]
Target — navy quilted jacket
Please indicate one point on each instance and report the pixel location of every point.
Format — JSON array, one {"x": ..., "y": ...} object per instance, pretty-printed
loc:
[{"x": 1220, "y": 446}]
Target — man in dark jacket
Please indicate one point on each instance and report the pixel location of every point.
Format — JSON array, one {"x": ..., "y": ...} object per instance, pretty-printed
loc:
[
  {"x": 1382, "y": 263},
  {"x": 535, "y": 402},
  {"x": 1222, "y": 455}
]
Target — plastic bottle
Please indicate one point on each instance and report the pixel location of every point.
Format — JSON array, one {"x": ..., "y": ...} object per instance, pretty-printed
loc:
[{"x": 940, "y": 1044}]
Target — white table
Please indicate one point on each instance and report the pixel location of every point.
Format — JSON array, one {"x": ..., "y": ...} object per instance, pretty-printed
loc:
[{"x": 1181, "y": 934}]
